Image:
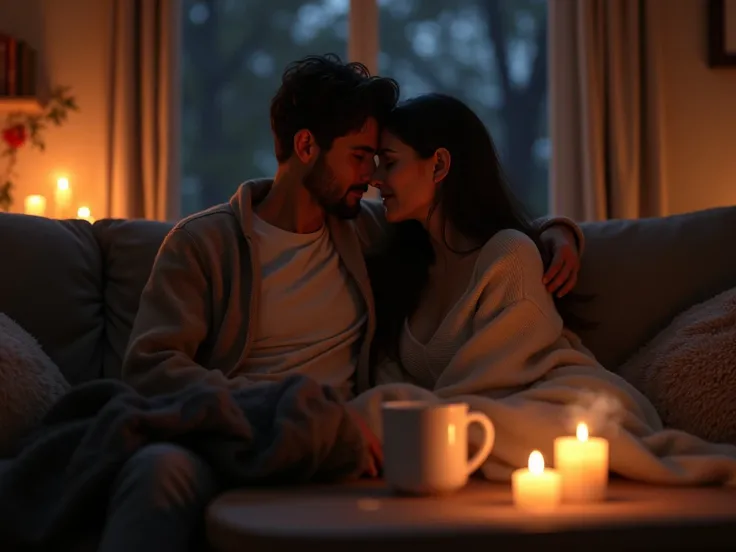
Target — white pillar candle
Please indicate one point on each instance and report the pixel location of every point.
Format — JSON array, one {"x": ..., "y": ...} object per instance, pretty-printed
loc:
[
  {"x": 536, "y": 489},
  {"x": 35, "y": 205},
  {"x": 582, "y": 461},
  {"x": 84, "y": 213},
  {"x": 62, "y": 197}
]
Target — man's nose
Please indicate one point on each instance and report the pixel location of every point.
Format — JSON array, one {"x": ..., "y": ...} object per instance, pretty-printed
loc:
[{"x": 367, "y": 176}]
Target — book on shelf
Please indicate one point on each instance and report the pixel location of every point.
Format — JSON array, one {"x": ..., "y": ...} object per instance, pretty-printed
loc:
[{"x": 17, "y": 67}]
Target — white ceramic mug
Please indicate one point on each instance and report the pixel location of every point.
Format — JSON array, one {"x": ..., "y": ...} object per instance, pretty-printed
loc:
[{"x": 425, "y": 446}]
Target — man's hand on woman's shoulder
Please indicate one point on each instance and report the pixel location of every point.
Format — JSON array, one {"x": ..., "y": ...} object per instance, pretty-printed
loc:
[{"x": 562, "y": 273}]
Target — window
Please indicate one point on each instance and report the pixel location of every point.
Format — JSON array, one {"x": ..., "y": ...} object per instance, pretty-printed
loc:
[{"x": 490, "y": 53}]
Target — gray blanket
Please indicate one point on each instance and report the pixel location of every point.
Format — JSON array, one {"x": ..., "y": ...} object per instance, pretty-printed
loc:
[{"x": 293, "y": 431}]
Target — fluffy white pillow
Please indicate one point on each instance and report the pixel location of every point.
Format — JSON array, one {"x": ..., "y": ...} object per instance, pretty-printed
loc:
[{"x": 30, "y": 383}]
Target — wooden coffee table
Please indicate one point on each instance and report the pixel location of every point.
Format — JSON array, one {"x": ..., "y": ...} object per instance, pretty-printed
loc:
[{"x": 368, "y": 516}]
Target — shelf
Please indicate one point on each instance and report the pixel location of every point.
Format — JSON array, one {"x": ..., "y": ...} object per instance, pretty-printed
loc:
[{"x": 21, "y": 103}]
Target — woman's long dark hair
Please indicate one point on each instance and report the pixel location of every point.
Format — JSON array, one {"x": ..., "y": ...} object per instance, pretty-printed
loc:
[{"x": 475, "y": 199}]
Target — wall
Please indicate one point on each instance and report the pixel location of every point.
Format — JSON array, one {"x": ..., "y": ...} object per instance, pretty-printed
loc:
[
  {"x": 72, "y": 37},
  {"x": 700, "y": 107}
]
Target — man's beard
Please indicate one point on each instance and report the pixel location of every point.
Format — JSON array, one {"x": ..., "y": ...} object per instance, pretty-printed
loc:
[{"x": 321, "y": 183}]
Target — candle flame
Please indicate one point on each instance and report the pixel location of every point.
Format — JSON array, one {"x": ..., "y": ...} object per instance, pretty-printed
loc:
[
  {"x": 62, "y": 183},
  {"x": 582, "y": 432},
  {"x": 35, "y": 205},
  {"x": 536, "y": 462}
]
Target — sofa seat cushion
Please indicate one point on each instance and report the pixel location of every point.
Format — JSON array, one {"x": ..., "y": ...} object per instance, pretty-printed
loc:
[
  {"x": 129, "y": 248},
  {"x": 642, "y": 273},
  {"x": 51, "y": 285}
]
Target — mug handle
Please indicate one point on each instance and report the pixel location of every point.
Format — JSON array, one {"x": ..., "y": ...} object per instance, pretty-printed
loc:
[{"x": 489, "y": 433}]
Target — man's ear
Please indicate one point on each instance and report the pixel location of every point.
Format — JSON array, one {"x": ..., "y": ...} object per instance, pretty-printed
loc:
[
  {"x": 442, "y": 161},
  {"x": 305, "y": 146}
]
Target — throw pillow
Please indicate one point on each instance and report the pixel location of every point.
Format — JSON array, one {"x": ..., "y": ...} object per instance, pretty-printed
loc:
[
  {"x": 30, "y": 383},
  {"x": 688, "y": 371}
]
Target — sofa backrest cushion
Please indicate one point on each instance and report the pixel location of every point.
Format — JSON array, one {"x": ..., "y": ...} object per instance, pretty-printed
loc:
[
  {"x": 642, "y": 273},
  {"x": 128, "y": 248},
  {"x": 51, "y": 285}
]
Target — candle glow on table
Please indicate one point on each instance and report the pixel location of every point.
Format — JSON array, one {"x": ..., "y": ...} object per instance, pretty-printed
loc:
[
  {"x": 35, "y": 205},
  {"x": 62, "y": 196},
  {"x": 536, "y": 489},
  {"x": 84, "y": 213},
  {"x": 582, "y": 461}
]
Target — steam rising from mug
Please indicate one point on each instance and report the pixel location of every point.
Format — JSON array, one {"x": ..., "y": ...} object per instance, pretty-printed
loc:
[{"x": 603, "y": 413}]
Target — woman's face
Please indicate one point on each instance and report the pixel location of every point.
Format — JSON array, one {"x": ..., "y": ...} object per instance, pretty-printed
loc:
[{"x": 407, "y": 182}]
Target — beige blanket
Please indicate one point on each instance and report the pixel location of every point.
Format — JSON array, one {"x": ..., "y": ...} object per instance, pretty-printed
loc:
[{"x": 513, "y": 360}]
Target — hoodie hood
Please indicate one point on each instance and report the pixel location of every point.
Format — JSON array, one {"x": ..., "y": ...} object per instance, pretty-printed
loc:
[{"x": 248, "y": 194}]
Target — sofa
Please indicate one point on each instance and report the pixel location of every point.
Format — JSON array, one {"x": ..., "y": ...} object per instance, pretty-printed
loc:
[{"x": 75, "y": 286}]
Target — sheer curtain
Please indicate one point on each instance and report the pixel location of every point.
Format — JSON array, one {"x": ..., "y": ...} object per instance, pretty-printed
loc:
[
  {"x": 144, "y": 130},
  {"x": 606, "y": 110}
]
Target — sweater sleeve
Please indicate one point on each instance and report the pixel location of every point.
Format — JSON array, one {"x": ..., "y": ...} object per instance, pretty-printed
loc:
[
  {"x": 514, "y": 322},
  {"x": 172, "y": 323}
]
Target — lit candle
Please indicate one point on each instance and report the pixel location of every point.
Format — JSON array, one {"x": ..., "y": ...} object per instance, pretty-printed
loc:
[
  {"x": 536, "y": 489},
  {"x": 35, "y": 205},
  {"x": 582, "y": 461},
  {"x": 85, "y": 214},
  {"x": 62, "y": 197}
]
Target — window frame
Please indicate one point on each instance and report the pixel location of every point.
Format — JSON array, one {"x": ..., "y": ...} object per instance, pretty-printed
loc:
[{"x": 364, "y": 33}]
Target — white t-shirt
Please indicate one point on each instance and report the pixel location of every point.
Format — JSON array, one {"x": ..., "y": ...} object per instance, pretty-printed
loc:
[{"x": 311, "y": 316}]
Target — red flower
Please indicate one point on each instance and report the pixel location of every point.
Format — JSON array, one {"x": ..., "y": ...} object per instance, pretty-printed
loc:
[{"x": 15, "y": 136}]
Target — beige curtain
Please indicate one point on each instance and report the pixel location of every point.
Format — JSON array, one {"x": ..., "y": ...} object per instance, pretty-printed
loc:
[
  {"x": 606, "y": 110},
  {"x": 144, "y": 129}
]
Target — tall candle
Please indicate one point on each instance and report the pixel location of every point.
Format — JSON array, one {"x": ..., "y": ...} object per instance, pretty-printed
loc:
[
  {"x": 35, "y": 205},
  {"x": 582, "y": 461},
  {"x": 62, "y": 197},
  {"x": 536, "y": 489}
]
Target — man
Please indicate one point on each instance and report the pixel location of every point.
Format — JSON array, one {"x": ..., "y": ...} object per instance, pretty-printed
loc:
[{"x": 270, "y": 284}]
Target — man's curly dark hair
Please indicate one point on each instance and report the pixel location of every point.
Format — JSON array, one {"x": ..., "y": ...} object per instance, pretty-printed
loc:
[{"x": 328, "y": 97}]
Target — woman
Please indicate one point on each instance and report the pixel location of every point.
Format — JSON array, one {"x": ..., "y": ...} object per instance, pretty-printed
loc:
[{"x": 463, "y": 314}]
